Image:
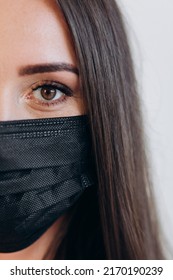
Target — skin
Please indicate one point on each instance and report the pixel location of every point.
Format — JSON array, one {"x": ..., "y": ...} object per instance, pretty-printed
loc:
[{"x": 34, "y": 32}]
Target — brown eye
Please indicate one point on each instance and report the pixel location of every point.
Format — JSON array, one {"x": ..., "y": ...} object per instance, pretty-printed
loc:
[{"x": 48, "y": 92}]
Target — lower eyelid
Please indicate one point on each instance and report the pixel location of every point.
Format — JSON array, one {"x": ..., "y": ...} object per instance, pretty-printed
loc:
[{"x": 37, "y": 102}]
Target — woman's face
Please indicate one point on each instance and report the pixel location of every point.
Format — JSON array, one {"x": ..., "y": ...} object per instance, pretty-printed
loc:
[
  {"x": 38, "y": 77},
  {"x": 38, "y": 68}
]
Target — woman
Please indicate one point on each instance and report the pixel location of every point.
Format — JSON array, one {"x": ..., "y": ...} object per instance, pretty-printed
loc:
[{"x": 69, "y": 59}]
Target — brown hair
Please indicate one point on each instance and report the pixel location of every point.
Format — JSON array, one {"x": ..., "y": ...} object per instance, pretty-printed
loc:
[{"x": 116, "y": 218}]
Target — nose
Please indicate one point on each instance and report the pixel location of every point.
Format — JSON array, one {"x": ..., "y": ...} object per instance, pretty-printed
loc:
[{"x": 9, "y": 109}]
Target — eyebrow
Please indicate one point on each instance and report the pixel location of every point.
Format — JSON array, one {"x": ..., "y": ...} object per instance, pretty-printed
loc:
[{"x": 47, "y": 67}]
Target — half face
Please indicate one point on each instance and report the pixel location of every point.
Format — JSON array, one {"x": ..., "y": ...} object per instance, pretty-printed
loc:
[
  {"x": 38, "y": 77},
  {"x": 38, "y": 68}
]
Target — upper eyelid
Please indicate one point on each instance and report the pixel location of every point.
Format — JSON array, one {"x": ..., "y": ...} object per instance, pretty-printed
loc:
[
  {"x": 50, "y": 83},
  {"x": 46, "y": 84}
]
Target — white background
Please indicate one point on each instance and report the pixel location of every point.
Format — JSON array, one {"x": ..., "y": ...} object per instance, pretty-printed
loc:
[{"x": 150, "y": 27}]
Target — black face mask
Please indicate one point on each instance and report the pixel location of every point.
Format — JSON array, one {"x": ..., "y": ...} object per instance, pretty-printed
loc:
[{"x": 44, "y": 168}]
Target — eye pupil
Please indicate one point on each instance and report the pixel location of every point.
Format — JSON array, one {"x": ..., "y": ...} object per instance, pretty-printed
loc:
[{"x": 48, "y": 93}]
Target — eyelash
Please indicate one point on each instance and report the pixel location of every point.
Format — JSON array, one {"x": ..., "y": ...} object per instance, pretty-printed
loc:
[{"x": 67, "y": 92}]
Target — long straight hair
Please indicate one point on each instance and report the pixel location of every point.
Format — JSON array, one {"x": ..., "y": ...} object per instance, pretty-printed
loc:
[{"x": 116, "y": 218}]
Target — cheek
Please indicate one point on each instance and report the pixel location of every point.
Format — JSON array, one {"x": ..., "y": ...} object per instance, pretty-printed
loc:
[
  {"x": 74, "y": 106},
  {"x": 77, "y": 106}
]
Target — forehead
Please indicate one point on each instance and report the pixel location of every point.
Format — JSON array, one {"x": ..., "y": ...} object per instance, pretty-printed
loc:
[{"x": 32, "y": 31}]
